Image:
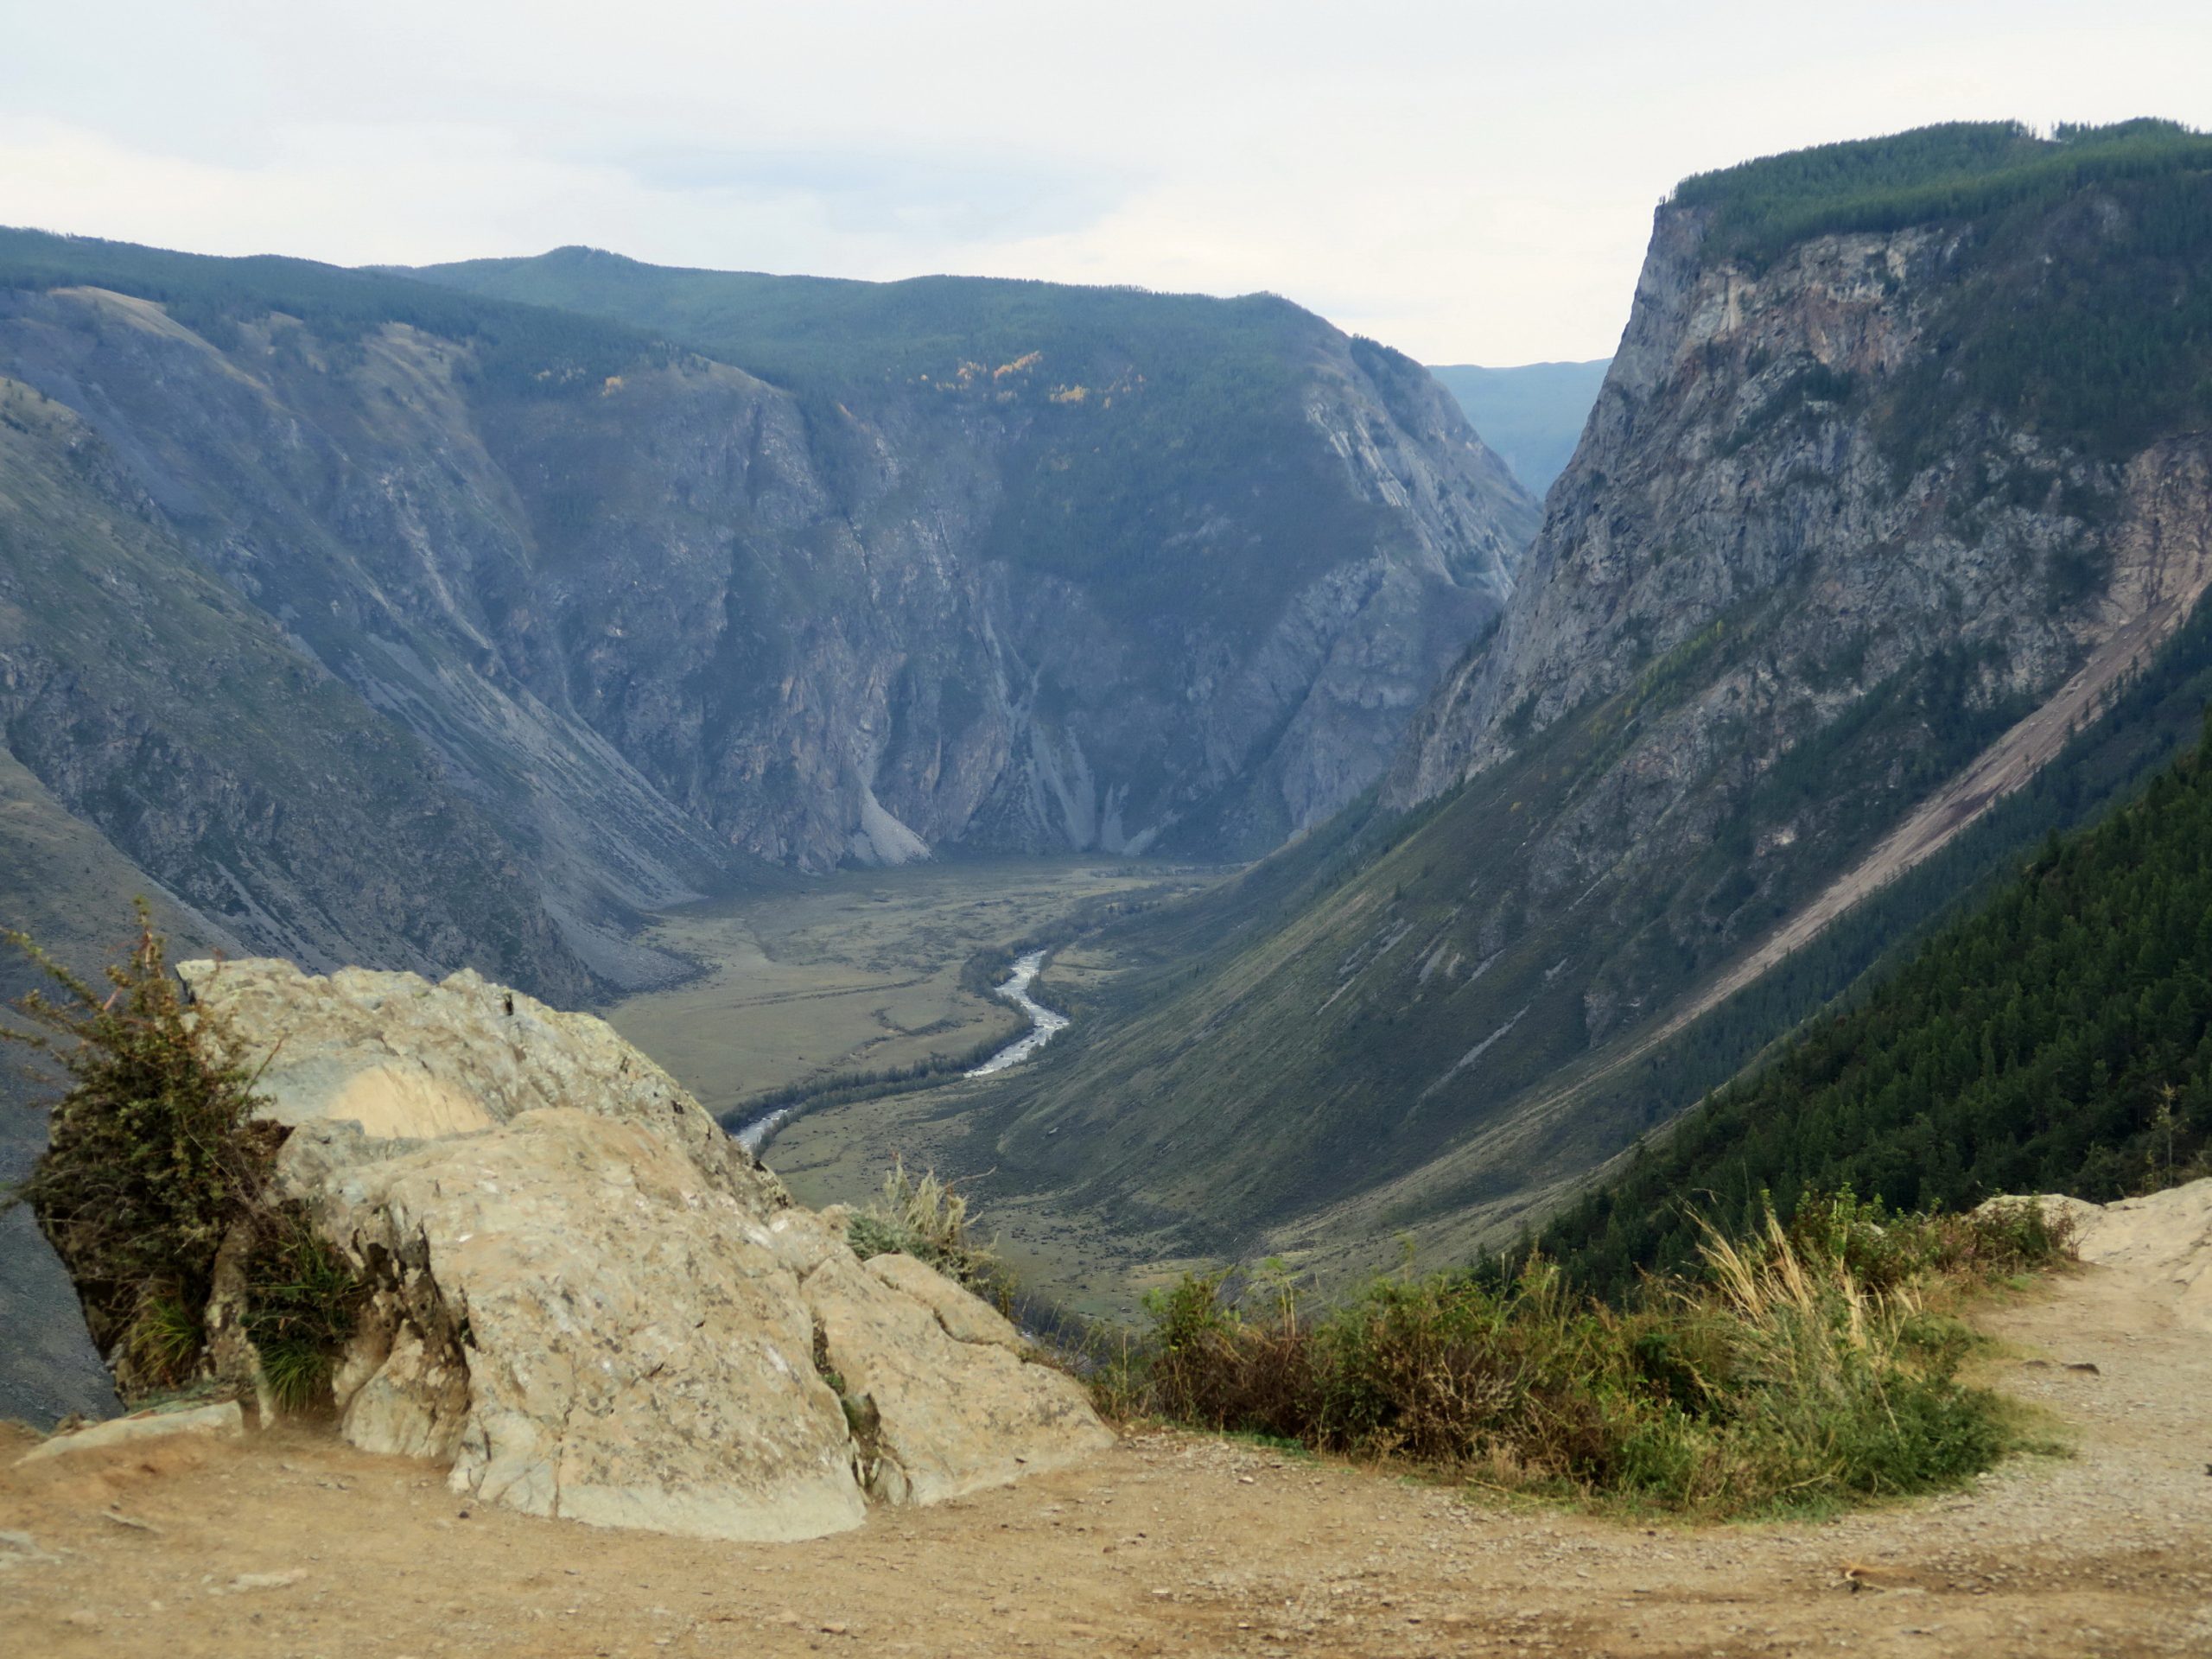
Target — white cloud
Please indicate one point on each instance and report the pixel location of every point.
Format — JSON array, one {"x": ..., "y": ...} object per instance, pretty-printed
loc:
[{"x": 1470, "y": 183}]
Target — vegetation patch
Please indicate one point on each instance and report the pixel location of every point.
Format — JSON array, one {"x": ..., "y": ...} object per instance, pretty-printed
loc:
[
  {"x": 1957, "y": 170},
  {"x": 1804, "y": 1367},
  {"x": 928, "y": 1220},
  {"x": 155, "y": 1189},
  {"x": 2057, "y": 1039}
]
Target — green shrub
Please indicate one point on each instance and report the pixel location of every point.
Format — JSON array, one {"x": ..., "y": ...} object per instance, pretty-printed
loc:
[
  {"x": 1779, "y": 1380},
  {"x": 154, "y": 1164},
  {"x": 1885, "y": 1251},
  {"x": 301, "y": 1299},
  {"x": 927, "y": 1220}
]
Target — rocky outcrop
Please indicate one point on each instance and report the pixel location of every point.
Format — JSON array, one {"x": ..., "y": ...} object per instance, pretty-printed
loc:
[
  {"x": 1739, "y": 456},
  {"x": 2162, "y": 1238},
  {"x": 224, "y": 1421},
  {"x": 588, "y": 1302}
]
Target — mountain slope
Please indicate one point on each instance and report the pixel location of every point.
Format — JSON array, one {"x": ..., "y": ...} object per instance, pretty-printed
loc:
[
  {"x": 1230, "y": 549},
  {"x": 2058, "y": 1040},
  {"x": 154, "y": 703},
  {"x": 1532, "y": 415},
  {"x": 1850, "y": 526},
  {"x": 659, "y": 619}
]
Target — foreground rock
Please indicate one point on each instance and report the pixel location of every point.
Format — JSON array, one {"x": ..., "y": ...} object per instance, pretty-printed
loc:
[
  {"x": 588, "y": 1301},
  {"x": 223, "y": 1421},
  {"x": 2162, "y": 1238}
]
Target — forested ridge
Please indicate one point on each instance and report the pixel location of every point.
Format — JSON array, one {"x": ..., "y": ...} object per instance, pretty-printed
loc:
[
  {"x": 2076, "y": 301},
  {"x": 518, "y": 347},
  {"x": 2058, "y": 1040}
]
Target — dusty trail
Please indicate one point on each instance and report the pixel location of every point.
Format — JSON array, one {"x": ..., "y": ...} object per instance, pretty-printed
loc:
[{"x": 1173, "y": 1543}]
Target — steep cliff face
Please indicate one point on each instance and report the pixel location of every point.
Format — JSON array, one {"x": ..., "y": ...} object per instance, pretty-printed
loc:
[
  {"x": 1851, "y": 545},
  {"x": 1736, "y": 454},
  {"x": 1171, "y": 572},
  {"x": 154, "y": 702},
  {"x": 658, "y": 619}
]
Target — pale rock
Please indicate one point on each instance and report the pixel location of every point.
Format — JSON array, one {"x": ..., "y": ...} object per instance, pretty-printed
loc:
[
  {"x": 406, "y": 1058},
  {"x": 954, "y": 1417},
  {"x": 2162, "y": 1235},
  {"x": 589, "y": 1303},
  {"x": 965, "y": 1316},
  {"x": 223, "y": 1421}
]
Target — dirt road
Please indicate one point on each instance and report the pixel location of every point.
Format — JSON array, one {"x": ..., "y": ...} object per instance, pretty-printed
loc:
[{"x": 1170, "y": 1544}]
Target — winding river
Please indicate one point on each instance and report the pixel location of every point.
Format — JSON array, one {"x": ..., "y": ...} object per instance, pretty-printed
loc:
[{"x": 1044, "y": 1024}]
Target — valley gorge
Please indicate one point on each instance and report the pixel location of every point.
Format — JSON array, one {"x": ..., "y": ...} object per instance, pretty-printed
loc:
[
  {"x": 557, "y": 594},
  {"x": 356, "y": 621},
  {"x": 1846, "y": 558},
  {"x": 989, "y": 832}
]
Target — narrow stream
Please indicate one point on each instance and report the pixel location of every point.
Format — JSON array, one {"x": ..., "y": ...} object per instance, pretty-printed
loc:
[{"x": 1044, "y": 1024}]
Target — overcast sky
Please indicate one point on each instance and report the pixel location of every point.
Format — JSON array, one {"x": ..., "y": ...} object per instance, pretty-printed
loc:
[{"x": 1470, "y": 183}]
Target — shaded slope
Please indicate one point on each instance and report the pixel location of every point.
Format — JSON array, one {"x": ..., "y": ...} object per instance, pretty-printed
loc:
[
  {"x": 1278, "y": 536},
  {"x": 2058, "y": 1040},
  {"x": 659, "y": 617},
  {"x": 154, "y": 702}
]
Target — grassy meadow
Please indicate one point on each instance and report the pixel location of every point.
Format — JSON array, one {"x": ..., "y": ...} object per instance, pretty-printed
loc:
[{"x": 859, "y": 971}]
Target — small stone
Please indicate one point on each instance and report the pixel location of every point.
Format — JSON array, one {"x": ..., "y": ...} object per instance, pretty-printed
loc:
[{"x": 246, "y": 1581}]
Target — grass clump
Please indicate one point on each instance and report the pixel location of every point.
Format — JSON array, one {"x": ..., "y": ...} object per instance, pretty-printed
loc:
[
  {"x": 301, "y": 1298},
  {"x": 1778, "y": 1380},
  {"x": 155, "y": 1187},
  {"x": 924, "y": 1218}
]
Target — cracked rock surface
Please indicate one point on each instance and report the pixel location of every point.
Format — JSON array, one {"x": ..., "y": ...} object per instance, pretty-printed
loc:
[{"x": 587, "y": 1302}]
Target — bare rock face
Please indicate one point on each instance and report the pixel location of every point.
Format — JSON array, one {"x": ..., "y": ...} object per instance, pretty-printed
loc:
[
  {"x": 2162, "y": 1238},
  {"x": 588, "y": 1302},
  {"x": 406, "y": 1059}
]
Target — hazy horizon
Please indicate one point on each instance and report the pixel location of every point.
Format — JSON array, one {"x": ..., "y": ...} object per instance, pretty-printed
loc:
[{"x": 1472, "y": 185}]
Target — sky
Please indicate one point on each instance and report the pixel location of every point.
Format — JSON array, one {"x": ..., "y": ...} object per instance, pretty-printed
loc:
[{"x": 1470, "y": 183}]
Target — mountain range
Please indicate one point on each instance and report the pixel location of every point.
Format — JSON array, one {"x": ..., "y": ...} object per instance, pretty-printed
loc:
[
  {"x": 1532, "y": 415},
  {"x": 375, "y": 618},
  {"x": 314, "y": 577},
  {"x": 462, "y": 616}
]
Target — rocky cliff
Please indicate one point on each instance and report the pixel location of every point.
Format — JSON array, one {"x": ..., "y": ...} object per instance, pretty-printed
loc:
[
  {"x": 1853, "y": 543},
  {"x": 626, "y": 621}
]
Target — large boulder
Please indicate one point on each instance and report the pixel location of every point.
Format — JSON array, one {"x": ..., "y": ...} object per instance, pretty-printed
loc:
[{"x": 588, "y": 1302}]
